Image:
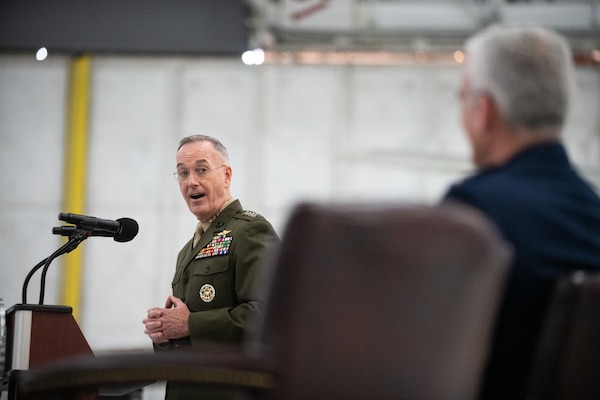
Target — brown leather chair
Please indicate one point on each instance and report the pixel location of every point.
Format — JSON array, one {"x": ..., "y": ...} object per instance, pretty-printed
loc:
[
  {"x": 363, "y": 302},
  {"x": 567, "y": 363}
]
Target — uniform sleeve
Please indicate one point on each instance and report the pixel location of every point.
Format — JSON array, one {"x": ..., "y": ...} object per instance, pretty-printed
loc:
[{"x": 250, "y": 250}]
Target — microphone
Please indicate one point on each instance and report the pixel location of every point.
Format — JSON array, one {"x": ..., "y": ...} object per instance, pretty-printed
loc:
[
  {"x": 125, "y": 236},
  {"x": 121, "y": 230}
]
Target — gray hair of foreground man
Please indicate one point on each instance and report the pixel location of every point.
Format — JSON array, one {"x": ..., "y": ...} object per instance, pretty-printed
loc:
[{"x": 528, "y": 71}]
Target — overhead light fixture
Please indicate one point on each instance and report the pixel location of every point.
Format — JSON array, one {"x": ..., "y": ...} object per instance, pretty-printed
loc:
[
  {"x": 253, "y": 57},
  {"x": 41, "y": 54}
]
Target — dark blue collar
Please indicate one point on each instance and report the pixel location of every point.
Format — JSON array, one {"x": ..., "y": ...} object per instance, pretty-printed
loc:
[{"x": 549, "y": 154}]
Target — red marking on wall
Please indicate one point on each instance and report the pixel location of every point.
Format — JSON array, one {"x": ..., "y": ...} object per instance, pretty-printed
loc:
[{"x": 309, "y": 10}]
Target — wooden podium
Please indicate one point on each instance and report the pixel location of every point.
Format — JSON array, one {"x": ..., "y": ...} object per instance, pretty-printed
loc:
[{"x": 37, "y": 335}]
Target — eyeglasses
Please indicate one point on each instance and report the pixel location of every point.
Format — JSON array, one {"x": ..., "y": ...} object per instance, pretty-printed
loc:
[{"x": 183, "y": 175}]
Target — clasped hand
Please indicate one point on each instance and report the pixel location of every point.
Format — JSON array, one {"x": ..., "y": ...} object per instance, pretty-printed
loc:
[{"x": 167, "y": 323}]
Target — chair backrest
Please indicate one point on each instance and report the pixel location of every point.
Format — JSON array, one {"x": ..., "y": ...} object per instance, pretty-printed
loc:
[
  {"x": 382, "y": 302},
  {"x": 567, "y": 361}
]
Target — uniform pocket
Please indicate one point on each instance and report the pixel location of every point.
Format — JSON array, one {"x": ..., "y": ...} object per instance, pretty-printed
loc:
[
  {"x": 211, "y": 284},
  {"x": 211, "y": 266}
]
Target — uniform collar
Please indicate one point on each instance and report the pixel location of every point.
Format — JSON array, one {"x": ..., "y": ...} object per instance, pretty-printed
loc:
[{"x": 205, "y": 225}]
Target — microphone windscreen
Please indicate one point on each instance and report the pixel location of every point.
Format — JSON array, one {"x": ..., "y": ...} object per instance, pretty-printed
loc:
[{"x": 129, "y": 229}]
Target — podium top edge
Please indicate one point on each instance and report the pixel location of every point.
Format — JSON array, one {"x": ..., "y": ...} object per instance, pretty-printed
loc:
[{"x": 40, "y": 307}]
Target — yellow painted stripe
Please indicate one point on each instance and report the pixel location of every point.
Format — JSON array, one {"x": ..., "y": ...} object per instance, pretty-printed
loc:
[{"x": 75, "y": 167}]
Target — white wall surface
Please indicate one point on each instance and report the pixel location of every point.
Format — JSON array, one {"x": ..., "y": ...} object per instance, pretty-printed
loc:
[{"x": 294, "y": 132}]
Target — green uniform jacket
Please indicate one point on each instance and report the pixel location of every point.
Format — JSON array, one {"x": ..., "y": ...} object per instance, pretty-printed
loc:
[{"x": 217, "y": 279}]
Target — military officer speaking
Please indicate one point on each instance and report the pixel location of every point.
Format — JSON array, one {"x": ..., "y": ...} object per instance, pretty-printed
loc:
[{"x": 217, "y": 270}]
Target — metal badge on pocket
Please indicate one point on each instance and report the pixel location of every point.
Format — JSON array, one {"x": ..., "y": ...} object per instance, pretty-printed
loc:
[{"x": 207, "y": 293}]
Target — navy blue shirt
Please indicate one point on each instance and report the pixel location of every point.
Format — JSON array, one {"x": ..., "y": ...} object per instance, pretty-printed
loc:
[{"x": 551, "y": 216}]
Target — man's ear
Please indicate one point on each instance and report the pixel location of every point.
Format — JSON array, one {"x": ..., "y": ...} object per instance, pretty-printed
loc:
[
  {"x": 228, "y": 174},
  {"x": 488, "y": 112},
  {"x": 484, "y": 120}
]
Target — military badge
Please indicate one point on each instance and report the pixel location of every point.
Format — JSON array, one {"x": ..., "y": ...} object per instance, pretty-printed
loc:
[
  {"x": 219, "y": 245},
  {"x": 207, "y": 293}
]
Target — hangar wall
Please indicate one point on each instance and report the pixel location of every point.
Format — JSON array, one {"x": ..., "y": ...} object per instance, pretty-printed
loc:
[{"x": 294, "y": 132}]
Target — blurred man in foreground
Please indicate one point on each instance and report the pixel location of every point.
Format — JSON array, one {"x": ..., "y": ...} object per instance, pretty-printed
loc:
[{"x": 514, "y": 94}]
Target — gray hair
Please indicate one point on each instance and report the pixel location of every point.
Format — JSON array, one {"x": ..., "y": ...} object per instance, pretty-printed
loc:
[
  {"x": 528, "y": 71},
  {"x": 204, "y": 138}
]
